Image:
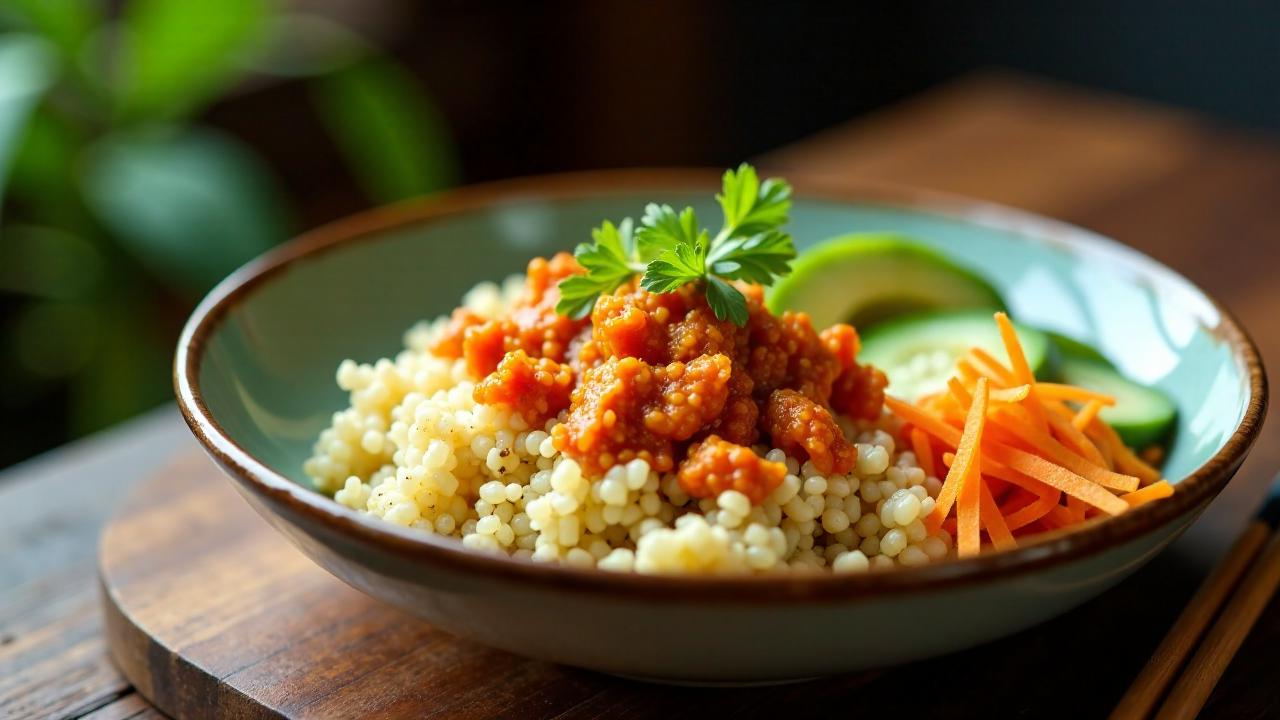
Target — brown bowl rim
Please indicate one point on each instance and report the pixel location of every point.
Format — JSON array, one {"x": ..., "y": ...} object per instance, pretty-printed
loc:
[{"x": 1052, "y": 549}]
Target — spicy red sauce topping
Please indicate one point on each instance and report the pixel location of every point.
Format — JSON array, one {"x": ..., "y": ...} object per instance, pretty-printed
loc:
[{"x": 658, "y": 377}]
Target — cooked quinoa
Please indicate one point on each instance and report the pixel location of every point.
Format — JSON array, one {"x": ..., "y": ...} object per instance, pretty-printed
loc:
[{"x": 416, "y": 449}]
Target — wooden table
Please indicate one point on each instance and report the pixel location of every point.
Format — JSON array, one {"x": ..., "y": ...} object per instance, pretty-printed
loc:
[{"x": 1205, "y": 200}]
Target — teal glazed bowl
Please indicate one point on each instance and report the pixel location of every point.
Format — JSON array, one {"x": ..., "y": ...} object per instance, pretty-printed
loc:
[{"x": 254, "y": 379}]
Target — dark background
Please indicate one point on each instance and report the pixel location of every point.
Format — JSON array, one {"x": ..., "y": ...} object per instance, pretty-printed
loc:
[
  {"x": 530, "y": 88},
  {"x": 533, "y": 88}
]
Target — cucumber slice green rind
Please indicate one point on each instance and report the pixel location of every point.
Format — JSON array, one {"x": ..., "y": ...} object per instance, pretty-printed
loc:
[
  {"x": 918, "y": 353},
  {"x": 866, "y": 278},
  {"x": 1142, "y": 416},
  {"x": 1071, "y": 348}
]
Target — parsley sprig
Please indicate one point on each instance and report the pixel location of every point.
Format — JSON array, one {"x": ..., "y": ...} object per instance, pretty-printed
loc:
[{"x": 670, "y": 249}]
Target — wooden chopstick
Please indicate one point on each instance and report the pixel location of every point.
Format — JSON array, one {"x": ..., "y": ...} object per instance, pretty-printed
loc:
[
  {"x": 1245, "y": 601},
  {"x": 1225, "y": 638}
]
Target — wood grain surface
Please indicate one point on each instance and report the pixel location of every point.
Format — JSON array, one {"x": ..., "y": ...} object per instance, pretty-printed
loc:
[
  {"x": 1203, "y": 199},
  {"x": 210, "y": 610}
]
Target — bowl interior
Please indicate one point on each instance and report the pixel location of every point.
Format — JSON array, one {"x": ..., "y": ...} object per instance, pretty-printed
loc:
[{"x": 267, "y": 371}]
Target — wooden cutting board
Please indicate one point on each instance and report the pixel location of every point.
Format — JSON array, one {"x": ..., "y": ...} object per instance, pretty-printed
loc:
[{"x": 210, "y": 612}]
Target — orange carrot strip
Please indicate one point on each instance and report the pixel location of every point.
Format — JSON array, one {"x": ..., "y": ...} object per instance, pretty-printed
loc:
[
  {"x": 924, "y": 421},
  {"x": 986, "y": 363},
  {"x": 1058, "y": 517},
  {"x": 1037, "y": 509},
  {"x": 959, "y": 392},
  {"x": 1076, "y": 506},
  {"x": 1152, "y": 455},
  {"x": 924, "y": 452},
  {"x": 1075, "y": 440},
  {"x": 1154, "y": 491},
  {"x": 1056, "y": 476},
  {"x": 993, "y": 520},
  {"x": 1011, "y": 395},
  {"x": 1086, "y": 414},
  {"x": 967, "y": 372},
  {"x": 1058, "y": 391},
  {"x": 1021, "y": 370},
  {"x": 965, "y": 477},
  {"x": 1125, "y": 458},
  {"x": 1044, "y": 444},
  {"x": 1015, "y": 478},
  {"x": 1013, "y": 348}
]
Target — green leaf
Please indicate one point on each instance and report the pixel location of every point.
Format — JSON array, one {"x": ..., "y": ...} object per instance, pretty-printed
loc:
[
  {"x": 750, "y": 247},
  {"x": 43, "y": 173},
  {"x": 757, "y": 259},
  {"x": 191, "y": 205},
  {"x": 607, "y": 262},
  {"x": 750, "y": 206},
  {"x": 55, "y": 339},
  {"x": 65, "y": 23},
  {"x": 726, "y": 301},
  {"x": 684, "y": 263},
  {"x": 662, "y": 229},
  {"x": 393, "y": 137},
  {"x": 130, "y": 367},
  {"x": 27, "y": 68},
  {"x": 48, "y": 262},
  {"x": 305, "y": 45},
  {"x": 176, "y": 56}
]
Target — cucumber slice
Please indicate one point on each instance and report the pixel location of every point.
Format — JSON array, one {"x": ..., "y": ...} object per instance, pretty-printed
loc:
[
  {"x": 1072, "y": 348},
  {"x": 918, "y": 353},
  {"x": 866, "y": 278},
  {"x": 1142, "y": 416}
]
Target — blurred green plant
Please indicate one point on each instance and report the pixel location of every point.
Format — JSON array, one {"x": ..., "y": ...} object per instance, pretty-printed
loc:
[{"x": 120, "y": 208}]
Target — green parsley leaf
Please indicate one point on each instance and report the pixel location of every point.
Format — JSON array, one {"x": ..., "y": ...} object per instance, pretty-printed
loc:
[
  {"x": 750, "y": 206},
  {"x": 678, "y": 265},
  {"x": 671, "y": 250},
  {"x": 758, "y": 259},
  {"x": 663, "y": 229},
  {"x": 608, "y": 265},
  {"x": 726, "y": 301}
]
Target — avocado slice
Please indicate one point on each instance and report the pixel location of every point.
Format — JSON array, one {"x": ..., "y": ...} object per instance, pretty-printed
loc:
[
  {"x": 919, "y": 352},
  {"x": 866, "y": 278}
]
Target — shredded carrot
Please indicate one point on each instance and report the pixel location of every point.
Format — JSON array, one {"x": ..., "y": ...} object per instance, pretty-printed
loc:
[
  {"x": 964, "y": 479},
  {"x": 1076, "y": 507},
  {"x": 1086, "y": 415},
  {"x": 959, "y": 392},
  {"x": 1058, "y": 517},
  {"x": 1073, "y": 438},
  {"x": 1125, "y": 458},
  {"x": 992, "y": 520},
  {"x": 1018, "y": 458},
  {"x": 924, "y": 421},
  {"x": 1011, "y": 395},
  {"x": 1152, "y": 455},
  {"x": 924, "y": 452},
  {"x": 1045, "y": 445},
  {"x": 1154, "y": 491},
  {"x": 1030, "y": 513},
  {"x": 1057, "y": 476},
  {"x": 1018, "y": 362},
  {"x": 1056, "y": 391},
  {"x": 991, "y": 367},
  {"x": 967, "y": 372}
]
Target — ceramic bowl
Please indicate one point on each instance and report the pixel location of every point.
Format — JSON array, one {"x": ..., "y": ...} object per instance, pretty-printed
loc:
[{"x": 255, "y": 381}]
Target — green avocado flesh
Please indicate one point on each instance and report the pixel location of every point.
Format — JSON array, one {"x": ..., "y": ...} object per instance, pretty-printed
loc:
[
  {"x": 868, "y": 278},
  {"x": 1142, "y": 416},
  {"x": 918, "y": 353}
]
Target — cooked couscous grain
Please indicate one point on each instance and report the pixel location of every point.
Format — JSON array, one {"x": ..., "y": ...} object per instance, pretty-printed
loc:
[{"x": 416, "y": 449}]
